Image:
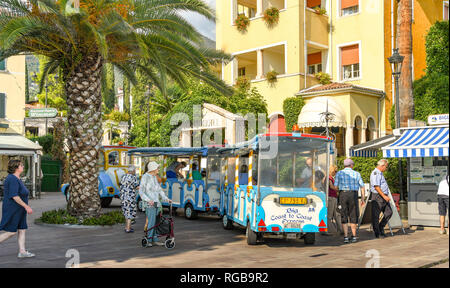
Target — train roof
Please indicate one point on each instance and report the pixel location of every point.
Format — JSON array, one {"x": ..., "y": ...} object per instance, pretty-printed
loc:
[
  {"x": 169, "y": 151},
  {"x": 253, "y": 144}
]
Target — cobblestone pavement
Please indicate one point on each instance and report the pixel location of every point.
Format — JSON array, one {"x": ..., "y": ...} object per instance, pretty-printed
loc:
[{"x": 204, "y": 243}]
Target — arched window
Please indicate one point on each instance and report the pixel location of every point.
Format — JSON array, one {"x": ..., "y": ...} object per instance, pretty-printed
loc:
[
  {"x": 370, "y": 130},
  {"x": 357, "y": 130}
]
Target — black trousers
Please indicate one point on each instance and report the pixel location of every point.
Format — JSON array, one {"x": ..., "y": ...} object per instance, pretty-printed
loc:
[{"x": 380, "y": 205}]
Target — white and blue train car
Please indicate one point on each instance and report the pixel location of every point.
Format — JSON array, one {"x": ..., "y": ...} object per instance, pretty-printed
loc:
[
  {"x": 275, "y": 184},
  {"x": 194, "y": 196}
]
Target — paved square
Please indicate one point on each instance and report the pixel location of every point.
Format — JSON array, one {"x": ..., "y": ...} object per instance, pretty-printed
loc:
[{"x": 204, "y": 243}]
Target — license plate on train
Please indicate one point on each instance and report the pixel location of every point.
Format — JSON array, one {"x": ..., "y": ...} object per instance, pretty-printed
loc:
[
  {"x": 292, "y": 226},
  {"x": 293, "y": 201}
]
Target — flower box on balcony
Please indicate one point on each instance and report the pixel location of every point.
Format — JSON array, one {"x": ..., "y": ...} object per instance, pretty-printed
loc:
[
  {"x": 271, "y": 16},
  {"x": 242, "y": 22}
]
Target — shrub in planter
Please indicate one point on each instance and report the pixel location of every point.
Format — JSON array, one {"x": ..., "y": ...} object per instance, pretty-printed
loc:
[
  {"x": 242, "y": 22},
  {"x": 271, "y": 16},
  {"x": 61, "y": 216},
  {"x": 272, "y": 76}
]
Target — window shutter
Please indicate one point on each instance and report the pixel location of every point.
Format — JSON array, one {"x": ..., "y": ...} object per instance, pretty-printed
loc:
[
  {"x": 349, "y": 3},
  {"x": 2, "y": 105},
  {"x": 313, "y": 3},
  {"x": 350, "y": 55},
  {"x": 315, "y": 58}
]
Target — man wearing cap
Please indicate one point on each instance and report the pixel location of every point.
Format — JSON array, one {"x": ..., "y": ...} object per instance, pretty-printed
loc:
[
  {"x": 349, "y": 182},
  {"x": 380, "y": 198}
]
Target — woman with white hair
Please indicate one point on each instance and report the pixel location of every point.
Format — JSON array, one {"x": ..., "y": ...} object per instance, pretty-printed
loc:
[
  {"x": 128, "y": 185},
  {"x": 150, "y": 191}
]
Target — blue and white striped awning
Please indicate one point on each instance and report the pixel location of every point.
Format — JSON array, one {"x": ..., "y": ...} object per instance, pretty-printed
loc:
[
  {"x": 364, "y": 153},
  {"x": 420, "y": 142}
]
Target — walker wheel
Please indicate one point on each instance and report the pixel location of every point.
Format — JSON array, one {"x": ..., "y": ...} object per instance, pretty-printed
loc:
[
  {"x": 170, "y": 243},
  {"x": 144, "y": 242}
]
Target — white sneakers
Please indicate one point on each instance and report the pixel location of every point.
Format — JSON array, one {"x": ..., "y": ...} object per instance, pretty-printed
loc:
[
  {"x": 442, "y": 232},
  {"x": 25, "y": 255}
]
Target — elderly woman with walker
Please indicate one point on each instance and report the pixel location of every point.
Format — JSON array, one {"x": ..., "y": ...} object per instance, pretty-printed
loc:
[{"x": 150, "y": 191}]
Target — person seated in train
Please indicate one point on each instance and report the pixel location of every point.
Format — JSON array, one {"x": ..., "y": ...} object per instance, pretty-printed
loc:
[
  {"x": 305, "y": 179},
  {"x": 319, "y": 180},
  {"x": 173, "y": 171},
  {"x": 204, "y": 173},
  {"x": 196, "y": 175}
]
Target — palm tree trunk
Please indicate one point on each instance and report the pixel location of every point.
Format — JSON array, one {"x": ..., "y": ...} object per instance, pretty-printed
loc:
[
  {"x": 84, "y": 100},
  {"x": 404, "y": 43}
]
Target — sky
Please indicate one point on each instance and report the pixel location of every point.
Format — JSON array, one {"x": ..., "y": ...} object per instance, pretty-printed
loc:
[{"x": 204, "y": 26}]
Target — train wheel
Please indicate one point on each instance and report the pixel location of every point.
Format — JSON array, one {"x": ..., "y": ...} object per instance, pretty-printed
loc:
[
  {"x": 189, "y": 212},
  {"x": 309, "y": 238},
  {"x": 227, "y": 223},
  {"x": 251, "y": 235}
]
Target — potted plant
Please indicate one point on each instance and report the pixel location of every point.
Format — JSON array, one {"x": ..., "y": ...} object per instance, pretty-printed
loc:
[
  {"x": 320, "y": 11},
  {"x": 323, "y": 78},
  {"x": 272, "y": 76},
  {"x": 242, "y": 22},
  {"x": 271, "y": 16}
]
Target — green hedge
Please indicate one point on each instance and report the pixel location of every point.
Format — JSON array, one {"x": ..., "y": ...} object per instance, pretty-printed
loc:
[
  {"x": 291, "y": 108},
  {"x": 45, "y": 141},
  {"x": 365, "y": 166},
  {"x": 61, "y": 216}
]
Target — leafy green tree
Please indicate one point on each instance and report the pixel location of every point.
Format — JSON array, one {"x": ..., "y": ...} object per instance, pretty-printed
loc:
[
  {"x": 436, "y": 47},
  {"x": 132, "y": 35},
  {"x": 431, "y": 91},
  {"x": 431, "y": 95},
  {"x": 243, "y": 101},
  {"x": 108, "y": 90},
  {"x": 291, "y": 108}
]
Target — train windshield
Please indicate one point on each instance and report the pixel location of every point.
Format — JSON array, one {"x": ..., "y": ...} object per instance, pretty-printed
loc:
[{"x": 290, "y": 162}]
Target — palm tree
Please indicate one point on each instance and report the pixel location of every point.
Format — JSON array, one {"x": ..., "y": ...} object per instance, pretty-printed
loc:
[
  {"x": 132, "y": 35},
  {"x": 404, "y": 43}
]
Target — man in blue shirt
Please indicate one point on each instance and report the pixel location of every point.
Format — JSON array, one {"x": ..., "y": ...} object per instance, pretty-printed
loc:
[
  {"x": 380, "y": 198},
  {"x": 348, "y": 181}
]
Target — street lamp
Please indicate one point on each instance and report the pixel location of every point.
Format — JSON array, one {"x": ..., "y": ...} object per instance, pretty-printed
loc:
[{"x": 396, "y": 61}]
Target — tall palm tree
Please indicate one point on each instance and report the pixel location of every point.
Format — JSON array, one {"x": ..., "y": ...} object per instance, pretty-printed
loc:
[
  {"x": 404, "y": 43},
  {"x": 145, "y": 35}
]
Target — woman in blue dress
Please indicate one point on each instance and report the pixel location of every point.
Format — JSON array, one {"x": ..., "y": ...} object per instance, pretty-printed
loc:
[{"x": 15, "y": 207}]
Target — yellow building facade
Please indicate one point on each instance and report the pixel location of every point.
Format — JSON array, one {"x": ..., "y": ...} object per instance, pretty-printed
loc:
[
  {"x": 12, "y": 95},
  {"x": 348, "y": 39}
]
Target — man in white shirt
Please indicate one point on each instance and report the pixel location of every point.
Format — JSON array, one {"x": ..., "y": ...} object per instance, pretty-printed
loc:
[{"x": 443, "y": 202}]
